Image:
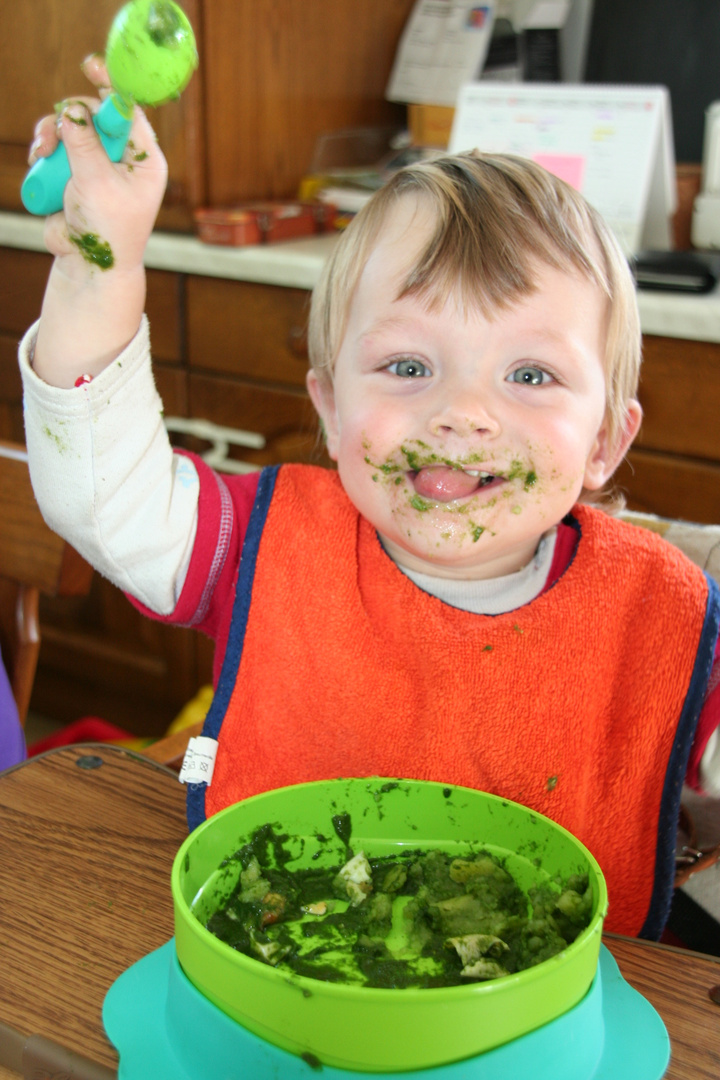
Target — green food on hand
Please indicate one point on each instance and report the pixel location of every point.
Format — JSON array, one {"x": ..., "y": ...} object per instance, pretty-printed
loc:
[
  {"x": 415, "y": 919},
  {"x": 94, "y": 250}
]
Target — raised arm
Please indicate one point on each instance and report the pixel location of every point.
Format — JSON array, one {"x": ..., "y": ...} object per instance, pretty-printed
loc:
[{"x": 101, "y": 464}]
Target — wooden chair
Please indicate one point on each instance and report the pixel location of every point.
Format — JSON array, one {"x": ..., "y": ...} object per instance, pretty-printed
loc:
[
  {"x": 33, "y": 560},
  {"x": 171, "y": 749}
]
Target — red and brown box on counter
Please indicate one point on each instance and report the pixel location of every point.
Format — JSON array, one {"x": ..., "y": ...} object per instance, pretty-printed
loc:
[{"x": 263, "y": 222}]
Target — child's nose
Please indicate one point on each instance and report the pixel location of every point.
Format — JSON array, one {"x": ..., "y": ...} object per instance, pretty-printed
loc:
[{"x": 465, "y": 415}]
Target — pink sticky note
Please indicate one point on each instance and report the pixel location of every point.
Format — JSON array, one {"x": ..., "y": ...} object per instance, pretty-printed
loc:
[{"x": 569, "y": 167}]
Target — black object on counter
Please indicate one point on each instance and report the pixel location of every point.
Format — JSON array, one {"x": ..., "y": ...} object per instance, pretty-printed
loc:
[{"x": 676, "y": 271}]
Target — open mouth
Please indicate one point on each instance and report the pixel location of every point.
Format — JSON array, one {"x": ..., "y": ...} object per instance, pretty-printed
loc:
[{"x": 442, "y": 483}]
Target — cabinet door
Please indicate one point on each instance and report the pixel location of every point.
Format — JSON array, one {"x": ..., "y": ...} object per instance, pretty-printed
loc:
[
  {"x": 41, "y": 47},
  {"x": 671, "y": 486},
  {"x": 674, "y": 467},
  {"x": 280, "y": 73},
  {"x": 248, "y": 330},
  {"x": 680, "y": 396},
  {"x": 22, "y": 283},
  {"x": 101, "y": 657},
  {"x": 285, "y": 418}
]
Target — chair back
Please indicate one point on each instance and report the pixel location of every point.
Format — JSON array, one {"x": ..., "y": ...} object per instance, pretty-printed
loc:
[{"x": 33, "y": 560}]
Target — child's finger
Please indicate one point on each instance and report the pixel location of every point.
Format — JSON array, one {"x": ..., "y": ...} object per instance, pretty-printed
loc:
[
  {"x": 45, "y": 139},
  {"x": 93, "y": 67},
  {"x": 87, "y": 158},
  {"x": 45, "y": 135},
  {"x": 142, "y": 145},
  {"x": 56, "y": 237}
]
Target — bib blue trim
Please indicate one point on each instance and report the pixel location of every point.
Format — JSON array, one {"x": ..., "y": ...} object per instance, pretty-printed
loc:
[
  {"x": 236, "y": 638},
  {"x": 661, "y": 899}
]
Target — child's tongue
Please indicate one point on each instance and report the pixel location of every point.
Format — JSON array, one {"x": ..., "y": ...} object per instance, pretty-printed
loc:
[{"x": 443, "y": 484}]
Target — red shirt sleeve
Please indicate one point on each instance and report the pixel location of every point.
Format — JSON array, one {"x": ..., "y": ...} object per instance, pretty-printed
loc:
[{"x": 206, "y": 601}]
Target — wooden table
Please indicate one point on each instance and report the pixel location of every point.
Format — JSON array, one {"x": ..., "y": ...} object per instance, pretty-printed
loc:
[{"x": 87, "y": 839}]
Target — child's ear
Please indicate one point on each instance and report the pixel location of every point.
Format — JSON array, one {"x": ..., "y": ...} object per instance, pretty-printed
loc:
[
  {"x": 605, "y": 456},
  {"x": 323, "y": 398}
]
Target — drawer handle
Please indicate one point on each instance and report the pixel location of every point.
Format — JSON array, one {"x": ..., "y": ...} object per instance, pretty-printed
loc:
[{"x": 297, "y": 342}]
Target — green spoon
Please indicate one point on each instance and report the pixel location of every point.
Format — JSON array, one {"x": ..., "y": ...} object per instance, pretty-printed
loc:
[{"x": 150, "y": 56}]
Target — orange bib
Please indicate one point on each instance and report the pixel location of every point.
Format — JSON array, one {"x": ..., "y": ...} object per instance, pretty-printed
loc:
[{"x": 582, "y": 704}]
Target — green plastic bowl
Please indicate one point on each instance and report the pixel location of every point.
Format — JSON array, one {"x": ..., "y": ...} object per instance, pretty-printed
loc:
[{"x": 362, "y": 1028}]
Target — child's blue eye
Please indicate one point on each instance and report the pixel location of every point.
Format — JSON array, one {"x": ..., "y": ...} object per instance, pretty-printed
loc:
[
  {"x": 409, "y": 369},
  {"x": 529, "y": 376}
]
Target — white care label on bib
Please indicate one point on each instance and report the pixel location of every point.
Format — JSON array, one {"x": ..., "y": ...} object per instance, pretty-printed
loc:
[{"x": 199, "y": 761}]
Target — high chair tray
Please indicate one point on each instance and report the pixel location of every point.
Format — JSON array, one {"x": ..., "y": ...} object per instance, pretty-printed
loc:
[{"x": 164, "y": 1029}]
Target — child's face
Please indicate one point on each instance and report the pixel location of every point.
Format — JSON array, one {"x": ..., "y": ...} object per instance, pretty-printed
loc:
[{"x": 463, "y": 439}]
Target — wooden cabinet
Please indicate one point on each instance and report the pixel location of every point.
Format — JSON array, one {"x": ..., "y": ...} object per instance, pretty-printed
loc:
[
  {"x": 242, "y": 328},
  {"x": 279, "y": 74},
  {"x": 673, "y": 468},
  {"x": 273, "y": 76}
]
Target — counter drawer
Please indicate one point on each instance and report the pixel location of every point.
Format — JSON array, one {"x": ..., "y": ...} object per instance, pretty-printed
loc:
[
  {"x": 242, "y": 328},
  {"x": 286, "y": 418},
  {"x": 671, "y": 486},
  {"x": 163, "y": 306},
  {"x": 680, "y": 396},
  {"x": 24, "y": 275}
]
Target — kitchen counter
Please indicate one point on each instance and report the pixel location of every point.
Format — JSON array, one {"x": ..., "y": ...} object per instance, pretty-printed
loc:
[
  {"x": 294, "y": 264},
  {"x": 297, "y": 264}
]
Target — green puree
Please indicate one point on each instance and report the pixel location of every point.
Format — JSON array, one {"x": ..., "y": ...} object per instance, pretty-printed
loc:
[
  {"x": 421, "y": 918},
  {"x": 163, "y": 23},
  {"x": 94, "y": 250}
]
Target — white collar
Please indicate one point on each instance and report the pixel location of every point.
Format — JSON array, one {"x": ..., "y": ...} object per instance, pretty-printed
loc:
[{"x": 493, "y": 596}]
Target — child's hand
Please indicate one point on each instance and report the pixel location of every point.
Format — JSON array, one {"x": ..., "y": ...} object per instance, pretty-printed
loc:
[
  {"x": 117, "y": 203},
  {"x": 96, "y": 292}
]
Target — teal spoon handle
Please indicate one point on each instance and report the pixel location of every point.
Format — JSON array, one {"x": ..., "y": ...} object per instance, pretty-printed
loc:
[{"x": 44, "y": 186}]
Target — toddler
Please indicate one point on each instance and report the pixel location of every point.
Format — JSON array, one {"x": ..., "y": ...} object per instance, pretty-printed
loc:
[{"x": 448, "y": 604}]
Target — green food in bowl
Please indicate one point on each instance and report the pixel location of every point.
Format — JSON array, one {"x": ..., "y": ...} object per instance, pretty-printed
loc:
[
  {"x": 418, "y": 918},
  {"x": 368, "y": 1028}
]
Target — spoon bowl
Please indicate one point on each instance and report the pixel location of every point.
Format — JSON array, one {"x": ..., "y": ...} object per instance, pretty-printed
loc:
[{"x": 151, "y": 52}]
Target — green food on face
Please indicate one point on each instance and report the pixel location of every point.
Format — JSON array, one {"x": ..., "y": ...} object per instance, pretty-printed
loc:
[
  {"x": 94, "y": 250},
  {"x": 417, "y": 461},
  {"x": 386, "y": 467},
  {"x": 418, "y": 503},
  {"x": 415, "y": 919}
]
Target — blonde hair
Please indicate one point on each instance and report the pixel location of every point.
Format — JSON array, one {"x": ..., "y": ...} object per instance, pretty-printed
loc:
[{"x": 497, "y": 216}]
